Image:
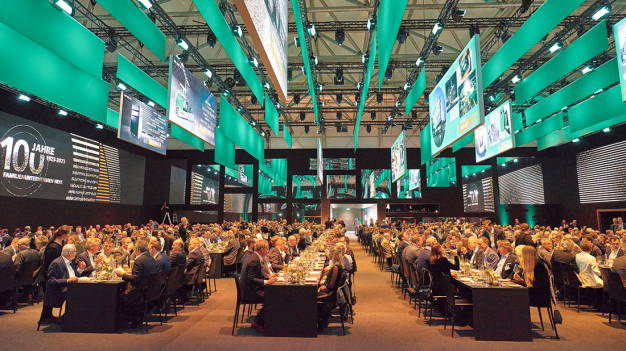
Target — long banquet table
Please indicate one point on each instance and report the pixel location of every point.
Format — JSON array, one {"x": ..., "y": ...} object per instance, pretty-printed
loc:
[
  {"x": 291, "y": 309},
  {"x": 90, "y": 306},
  {"x": 500, "y": 313}
]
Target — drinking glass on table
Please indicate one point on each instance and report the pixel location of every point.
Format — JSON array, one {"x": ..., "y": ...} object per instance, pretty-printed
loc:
[{"x": 132, "y": 262}]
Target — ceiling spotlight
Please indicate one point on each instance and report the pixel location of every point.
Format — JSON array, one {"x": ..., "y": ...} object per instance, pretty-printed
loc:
[
  {"x": 379, "y": 98},
  {"x": 62, "y": 113},
  {"x": 296, "y": 99},
  {"x": 437, "y": 27},
  {"x": 390, "y": 117},
  {"x": 575, "y": 140},
  {"x": 587, "y": 70},
  {"x": 365, "y": 59},
  {"x": 310, "y": 28},
  {"x": 474, "y": 29},
  {"x": 357, "y": 97},
  {"x": 289, "y": 74},
  {"x": 237, "y": 31},
  {"x": 99, "y": 126},
  {"x": 266, "y": 85},
  {"x": 340, "y": 36},
  {"x": 237, "y": 76},
  {"x": 368, "y": 128},
  {"x": 414, "y": 115},
  {"x": 63, "y": 5},
  {"x": 208, "y": 73},
  {"x": 314, "y": 60},
  {"x": 389, "y": 73},
  {"x": 23, "y": 97},
  {"x": 438, "y": 50},
  {"x": 339, "y": 115},
  {"x": 606, "y": 130},
  {"x": 211, "y": 40},
  {"x": 371, "y": 24},
  {"x": 146, "y": 3},
  {"x": 419, "y": 61},
  {"x": 601, "y": 13},
  {"x": 254, "y": 62},
  {"x": 262, "y": 133},
  {"x": 121, "y": 86},
  {"x": 402, "y": 34},
  {"x": 302, "y": 116},
  {"x": 253, "y": 123},
  {"x": 515, "y": 79},
  {"x": 516, "y": 160},
  {"x": 296, "y": 41},
  {"x": 306, "y": 129},
  {"x": 339, "y": 80},
  {"x": 319, "y": 87},
  {"x": 525, "y": 5},
  {"x": 373, "y": 114},
  {"x": 556, "y": 47},
  {"x": 151, "y": 103},
  {"x": 407, "y": 86},
  {"x": 458, "y": 15},
  {"x": 253, "y": 100},
  {"x": 183, "y": 44},
  {"x": 339, "y": 98}
]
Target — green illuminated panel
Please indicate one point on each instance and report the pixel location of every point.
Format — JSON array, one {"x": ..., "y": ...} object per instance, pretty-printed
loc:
[
  {"x": 582, "y": 50},
  {"x": 142, "y": 82},
  {"x": 113, "y": 118},
  {"x": 235, "y": 128},
  {"x": 366, "y": 86},
  {"x": 390, "y": 13},
  {"x": 466, "y": 140},
  {"x": 599, "y": 108},
  {"x": 50, "y": 27},
  {"x": 588, "y": 84},
  {"x": 425, "y": 153},
  {"x": 619, "y": 29},
  {"x": 138, "y": 23},
  {"x": 271, "y": 115},
  {"x": 186, "y": 137},
  {"x": 469, "y": 170},
  {"x": 543, "y": 20},
  {"x": 287, "y": 135},
  {"x": 540, "y": 129},
  {"x": 518, "y": 123},
  {"x": 553, "y": 139},
  {"x": 295, "y": 6},
  {"x": 416, "y": 92},
  {"x": 496, "y": 135},
  {"x": 224, "y": 150},
  {"x": 35, "y": 70}
]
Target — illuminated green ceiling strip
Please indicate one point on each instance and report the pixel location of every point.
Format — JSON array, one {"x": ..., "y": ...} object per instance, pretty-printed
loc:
[
  {"x": 581, "y": 88},
  {"x": 562, "y": 136},
  {"x": 582, "y": 50},
  {"x": 388, "y": 21},
  {"x": 599, "y": 108},
  {"x": 141, "y": 81},
  {"x": 295, "y": 6},
  {"x": 553, "y": 139},
  {"x": 50, "y": 27},
  {"x": 216, "y": 21},
  {"x": 425, "y": 144},
  {"x": 287, "y": 135},
  {"x": 138, "y": 23},
  {"x": 469, "y": 170},
  {"x": 34, "y": 69},
  {"x": 248, "y": 170},
  {"x": 366, "y": 86},
  {"x": 113, "y": 118},
  {"x": 279, "y": 165},
  {"x": 187, "y": 137},
  {"x": 543, "y": 20},
  {"x": 232, "y": 172},
  {"x": 501, "y": 160},
  {"x": 237, "y": 129},
  {"x": 267, "y": 170},
  {"x": 518, "y": 123},
  {"x": 271, "y": 115},
  {"x": 466, "y": 140},
  {"x": 540, "y": 129},
  {"x": 224, "y": 153},
  {"x": 416, "y": 92}
]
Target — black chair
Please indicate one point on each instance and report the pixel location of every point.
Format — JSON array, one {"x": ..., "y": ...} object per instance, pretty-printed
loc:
[
  {"x": 559, "y": 282},
  {"x": 171, "y": 287},
  {"x": 617, "y": 293},
  {"x": 431, "y": 298},
  {"x": 238, "y": 262},
  {"x": 338, "y": 301},
  {"x": 211, "y": 274},
  {"x": 395, "y": 268},
  {"x": 571, "y": 283},
  {"x": 451, "y": 301},
  {"x": 200, "y": 286},
  {"x": 423, "y": 284},
  {"x": 151, "y": 295},
  {"x": 241, "y": 302},
  {"x": 180, "y": 283},
  {"x": 606, "y": 291},
  {"x": 545, "y": 301},
  {"x": 8, "y": 282},
  {"x": 25, "y": 278},
  {"x": 405, "y": 283}
]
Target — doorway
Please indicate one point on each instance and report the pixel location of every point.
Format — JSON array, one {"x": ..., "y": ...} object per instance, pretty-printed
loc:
[{"x": 351, "y": 213}]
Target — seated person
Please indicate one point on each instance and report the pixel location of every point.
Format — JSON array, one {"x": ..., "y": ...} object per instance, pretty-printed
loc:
[
  {"x": 255, "y": 274},
  {"x": 589, "y": 272},
  {"x": 329, "y": 285},
  {"x": 231, "y": 251},
  {"x": 122, "y": 254},
  {"x": 92, "y": 246},
  {"x": 387, "y": 249},
  {"x": 163, "y": 264},
  {"x": 619, "y": 267},
  {"x": 293, "y": 248},
  {"x": 544, "y": 251},
  {"x": 177, "y": 256},
  {"x": 615, "y": 250},
  {"x": 534, "y": 276},
  {"x": 107, "y": 256},
  {"x": 439, "y": 266},
  {"x": 507, "y": 259},
  {"x": 195, "y": 262},
  {"x": 277, "y": 255},
  {"x": 25, "y": 254},
  {"x": 143, "y": 267},
  {"x": 60, "y": 272},
  {"x": 489, "y": 257}
]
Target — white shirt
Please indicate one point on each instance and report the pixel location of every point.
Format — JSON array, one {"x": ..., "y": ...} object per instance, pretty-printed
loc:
[
  {"x": 589, "y": 273},
  {"x": 500, "y": 266},
  {"x": 70, "y": 269},
  {"x": 613, "y": 254},
  {"x": 91, "y": 259}
]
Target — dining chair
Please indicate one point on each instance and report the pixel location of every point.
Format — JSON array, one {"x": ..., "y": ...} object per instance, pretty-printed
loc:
[
  {"x": 211, "y": 274},
  {"x": 200, "y": 283},
  {"x": 171, "y": 286},
  {"x": 8, "y": 283},
  {"x": 241, "y": 303},
  {"x": 606, "y": 291},
  {"x": 151, "y": 294},
  {"x": 571, "y": 283},
  {"x": 25, "y": 278},
  {"x": 617, "y": 293},
  {"x": 451, "y": 301}
]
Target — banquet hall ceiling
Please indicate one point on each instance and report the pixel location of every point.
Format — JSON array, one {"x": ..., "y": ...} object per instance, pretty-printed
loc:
[{"x": 493, "y": 17}]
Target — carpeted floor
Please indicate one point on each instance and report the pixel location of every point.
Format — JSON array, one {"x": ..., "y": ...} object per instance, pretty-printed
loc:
[{"x": 383, "y": 321}]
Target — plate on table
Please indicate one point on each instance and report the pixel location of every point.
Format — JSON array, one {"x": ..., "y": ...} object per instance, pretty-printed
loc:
[{"x": 464, "y": 279}]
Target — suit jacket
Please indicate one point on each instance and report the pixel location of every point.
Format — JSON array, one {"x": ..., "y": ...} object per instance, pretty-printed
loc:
[
  {"x": 619, "y": 267},
  {"x": 524, "y": 239},
  {"x": 276, "y": 259},
  {"x": 6, "y": 259},
  {"x": 411, "y": 253},
  {"x": 252, "y": 278},
  {"x": 177, "y": 259},
  {"x": 27, "y": 255},
  {"x": 230, "y": 253},
  {"x": 84, "y": 257},
  {"x": 143, "y": 267},
  {"x": 401, "y": 246},
  {"x": 498, "y": 235},
  {"x": 562, "y": 256},
  {"x": 11, "y": 250},
  {"x": 620, "y": 252},
  {"x": 423, "y": 259},
  {"x": 163, "y": 265},
  {"x": 509, "y": 264},
  {"x": 195, "y": 261},
  {"x": 121, "y": 256},
  {"x": 489, "y": 258},
  {"x": 545, "y": 255},
  {"x": 58, "y": 275},
  {"x": 293, "y": 251},
  {"x": 387, "y": 249}
]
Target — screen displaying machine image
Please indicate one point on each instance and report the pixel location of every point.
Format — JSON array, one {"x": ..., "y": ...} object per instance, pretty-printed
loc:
[
  {"x": 522, "y": 187},
  {"x": 375, "y": 183},
  {"x": 190, "y": 105},
  {"x": 496, "y": 135},
  {"x": 478, "y": 195},
  {"x": 142, "y": 125},
  {"x": 205, "y": 185},
  {"x": 619, "y": 29},
  {"x": 456, "y": 103},
  {"x": 320, "y": 162},
  {"x": 46, "y": 163},
  {"x": 398, "y": 157}
]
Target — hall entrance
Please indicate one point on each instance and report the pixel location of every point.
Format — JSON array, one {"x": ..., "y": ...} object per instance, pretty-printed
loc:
[{"x": 353, "y": 214}]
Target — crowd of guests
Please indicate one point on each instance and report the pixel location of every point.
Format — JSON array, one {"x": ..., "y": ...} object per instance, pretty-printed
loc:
[{"x": 518, "y": 252}]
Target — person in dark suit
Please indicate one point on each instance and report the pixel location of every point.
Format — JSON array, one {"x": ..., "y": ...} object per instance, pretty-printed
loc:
[
  {"x": 26, "y": 254},
  {"x": 423, "y": 258},
  {"x": 404, "y": 242},
  {"x": 177, "y": 256},
  {"x": 143, "y": 267},
  {"x": 412, "y": 251},
  {"x": 6, "y": 260},
  {"x": 61, "y": 271},
  {"x": 507, "y": 261},
  {"x": 619, "y": 267},
  {"x": 231, "y": 250},
  {"x": 492, "y": 233},
  {"x": 90, "y": 257},
  {"x": 614, "y": 251},
  {"x": 163, "y": 264},
  {"x": 328, "y": 224},
  {"x": 615, "y": 226},
  {"x": 249, "y": 249},
  {"x": 254, "y": 276},
  {"x": 195, "y": 262},
  {"x": 277, "y": 255},
  {"x": 489, "y": 257},
  {"x": 12, "y": 248},
  {"x": 122, "y": 254},
  {"x": 524, "y": 238}
]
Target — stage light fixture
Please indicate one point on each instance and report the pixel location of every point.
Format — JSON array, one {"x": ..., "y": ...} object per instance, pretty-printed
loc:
[
  {"x": 254, "y": 62},
  {"x": 437, "y": 27},
  {"x": 151, "y": 103},
  {"x": 237, "y": 31},
  {"x": 296, "y": 41},
  {"x": 414, "y": 115},
  {"x": 63, "y": 5},
  {"x": 587, "y": 70},
  {"x": 606, "y": 130},
  {"x": 515, "y": 79},
  {"x": 289, "y": 74},
  {"x": 340, "y": 36},
  {"x": 302, "y": 116},
  {"x": 183, "y": 44},
  {"x": 389, "y": 73},
  {"x": 368, "y": 128},
  {"x": 438, "y": 50},
  {"x": 379, "y": 98},
  {"x": 402, "y": 34},
  {"x": 505, "y": 37},
  {"x": 458, "y": 15},
  {"x": 121, "y": 86},
  {"x": 339, "y": 79},
  {"x": 365, "y": 59},
  {"x": 339, "y": 98},
  {"x": 419, "y": 61},
  {"x": 62, "y": 113},
  {"x": 319, "y": 87},
  {"x": 407, "y": 86},
  {"x": 253, "y": 100},
  {"x": 575, "y": 140},
  {"x": 146, "y": 3},
  {"x": 306, "y": 129},
  {"x": 314, "y": 60},
  {"x": 339, "y": 115},
  {"x": 211, "y": 40},
  {"x": 474, "y": 29},
  {"x": 556, "y": 47},
  {"x": 310, "y": 28},
  {"x": 371, "y": 24},
  {"x": 23, "y": 97},
  {"x": 373, "y": 115},
  {"x": 266, "y": 85},
  {"x": 602, "y": 12},
  {"x": 99, "y": 126}
]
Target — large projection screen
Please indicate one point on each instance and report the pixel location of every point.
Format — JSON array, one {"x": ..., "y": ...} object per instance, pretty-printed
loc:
[
  {"x": 456, "y": 104},
  {"x": 142, "y": 125},
  {"x": 496, "y": 135},
  {"x": 190, "y": 105},
  {"x": 398, "y": 157},
  {"x": 267, "y": 24}
]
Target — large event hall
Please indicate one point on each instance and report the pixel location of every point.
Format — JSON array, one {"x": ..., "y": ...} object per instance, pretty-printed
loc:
[{"x": 313, "y": 174}]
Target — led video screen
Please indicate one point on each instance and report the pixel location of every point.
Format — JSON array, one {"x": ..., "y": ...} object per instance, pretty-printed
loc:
[
  {"x": 523, "y": 186},
  {"x": 398, "y": 157},
  {"x": 178, "y": 185},
  {"x": 46, "y": 163},
  {"x": 478, "y": 195},
  {"x": 441, "y": 172},
  {"x": 456, "y": 104},
  {"x": 190, "y": 105},
  {"x": 496, "y": 135},
  {"x": 142, "y": 125},
  {"x": 375, "y": 183},
  {"x": 601, "y": 175},
  {"x": 205, "y": 186},
  {"x": 619, "y": 29},
  {"x": 305, "y": 187},
  {"x": 410, "y": 187},
  {"x": 341, "y": 186}
]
